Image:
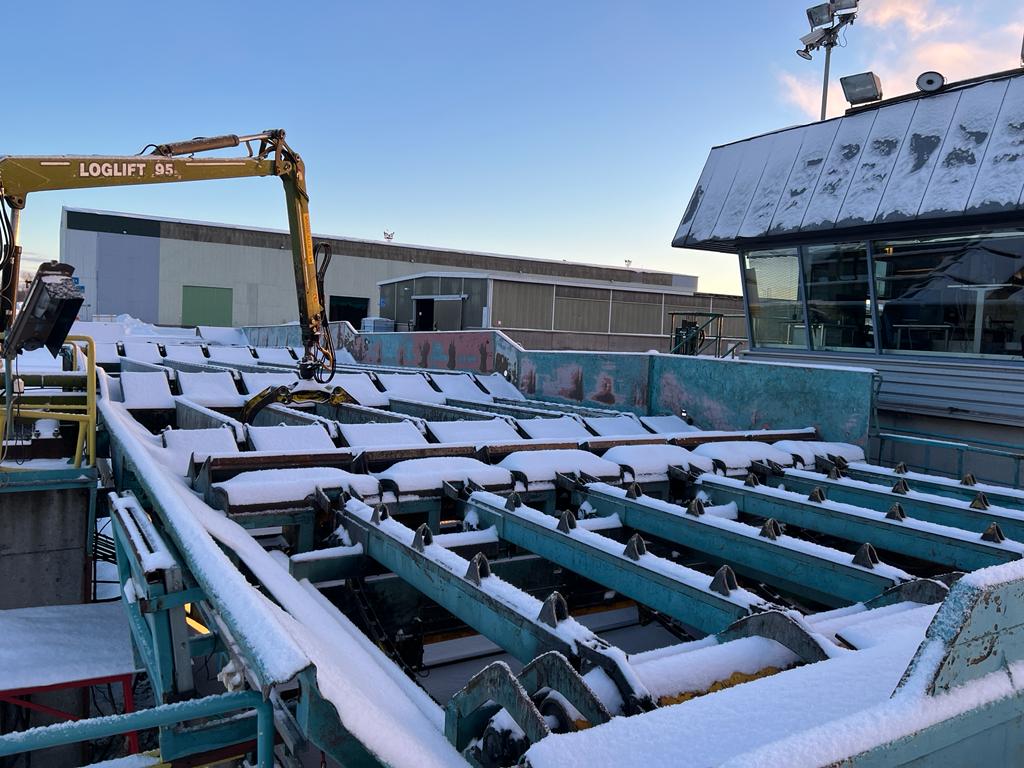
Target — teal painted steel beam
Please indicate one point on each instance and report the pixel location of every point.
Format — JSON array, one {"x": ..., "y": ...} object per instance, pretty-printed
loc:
[
  {"x": 133, "y": 467},
  {"x": 302, "y": 519},
  {"x": 521, "y": 635},
  {"x": 953, "y": 489},
  {"x": 496, "y": 609},
  {"x": 925, "y": 541},
  {"x": 653, "y": 581},
  {"x": 332, "y": 564},
  {"x": 319, "y": 721},
  {"x": 954, "y": 513},
  {"x": 817, "y": 573},
  {"x": 63, "y": 733}
]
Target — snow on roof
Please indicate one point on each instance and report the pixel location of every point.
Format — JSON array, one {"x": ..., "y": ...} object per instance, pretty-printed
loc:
[{"x": 926, "y": 157}]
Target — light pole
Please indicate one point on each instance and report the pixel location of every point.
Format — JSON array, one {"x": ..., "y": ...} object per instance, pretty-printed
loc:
[{"x": 826, "y": 20}]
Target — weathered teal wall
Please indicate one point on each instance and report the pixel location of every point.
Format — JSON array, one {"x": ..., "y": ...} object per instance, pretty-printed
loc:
[
  {"x": 718, "y": 394},
  {"x": 737, "y": 394},
  {"x": 603, "y": 379}
]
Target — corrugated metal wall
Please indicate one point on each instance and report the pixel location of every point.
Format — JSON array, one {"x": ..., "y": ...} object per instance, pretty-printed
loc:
[
  {"x": 581, "y": 309},
  {"x": 636, "y": 312},
  {"x": 521, "y": 305}
]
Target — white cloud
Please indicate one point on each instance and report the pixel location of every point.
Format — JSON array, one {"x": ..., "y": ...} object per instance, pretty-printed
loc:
[
  {"x": 918, "y": 17},
  {"x": 804, "y": 92}
]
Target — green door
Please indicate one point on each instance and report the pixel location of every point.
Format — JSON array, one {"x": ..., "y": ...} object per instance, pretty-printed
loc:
[{"x": 202, "y": 305}]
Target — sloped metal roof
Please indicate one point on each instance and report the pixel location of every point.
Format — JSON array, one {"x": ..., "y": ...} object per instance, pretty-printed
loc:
[{"x": 928, "y": 157}]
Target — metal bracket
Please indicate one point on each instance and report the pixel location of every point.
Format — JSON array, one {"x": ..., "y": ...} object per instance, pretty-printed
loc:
[{"x": 780, "y": 627}]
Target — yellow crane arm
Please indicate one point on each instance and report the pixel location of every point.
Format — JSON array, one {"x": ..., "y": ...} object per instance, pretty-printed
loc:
[{"x": 177, "y": 162}]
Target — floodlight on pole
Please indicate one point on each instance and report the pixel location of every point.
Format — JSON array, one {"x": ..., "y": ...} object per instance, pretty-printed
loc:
[
  {"x": 826, "y": 19},
  {"x": 820, "y": 15}
]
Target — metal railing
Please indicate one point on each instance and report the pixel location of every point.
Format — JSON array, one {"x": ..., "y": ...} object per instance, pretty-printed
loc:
[
  {"x": 84, "y": 414},
  {"x": 706, "y": 329}
]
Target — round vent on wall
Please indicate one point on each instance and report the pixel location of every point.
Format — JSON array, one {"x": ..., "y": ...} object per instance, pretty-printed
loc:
[{"x": 929, "y": 82}]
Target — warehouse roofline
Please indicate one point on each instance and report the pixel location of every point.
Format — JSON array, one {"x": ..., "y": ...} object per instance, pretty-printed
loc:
[
  {"x": 520, "y": 277},
  {"x": 230, "y": 234}
]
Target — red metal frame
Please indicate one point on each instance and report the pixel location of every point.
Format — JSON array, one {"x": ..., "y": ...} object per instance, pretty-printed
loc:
[{"x": 12, "y": 697}]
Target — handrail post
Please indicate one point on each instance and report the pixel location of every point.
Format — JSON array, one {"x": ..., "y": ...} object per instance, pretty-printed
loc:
[{"x": 87, "y": 429}]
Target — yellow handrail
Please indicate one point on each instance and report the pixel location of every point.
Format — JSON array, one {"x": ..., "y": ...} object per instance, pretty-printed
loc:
[
  {"x": 86, "y": 421},
  {"x": 89, "y": 425}
]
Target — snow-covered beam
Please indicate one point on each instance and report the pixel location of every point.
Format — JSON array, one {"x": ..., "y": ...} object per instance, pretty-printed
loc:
[
  {"x": 519, "y": 623},
  {"x": 974, "y": 515},
  {"x": 951, "y": 547},
  {"x": 802, "y": 568},
  {"x": 679, "y": 592}
]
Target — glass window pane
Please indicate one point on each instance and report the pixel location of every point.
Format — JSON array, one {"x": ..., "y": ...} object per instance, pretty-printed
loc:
[
  {"x": 387, "y": 300},
  {"x": 952, "y": 295},
  {"x": 838, "y": 296},
  {"x": 473, "y": 307},
  {"x": 403, "y": 302},
  {"x": 773, "y": 290}
]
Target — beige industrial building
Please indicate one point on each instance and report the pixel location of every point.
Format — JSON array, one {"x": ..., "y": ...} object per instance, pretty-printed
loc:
[
  {"x": 174, "y": 272},
  {"x": 553, "y": 312}
]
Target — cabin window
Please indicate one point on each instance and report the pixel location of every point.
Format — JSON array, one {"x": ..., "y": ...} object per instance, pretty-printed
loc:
[
  {"x": 961, "y": 295},
  {"x": 772, "y": 281}
]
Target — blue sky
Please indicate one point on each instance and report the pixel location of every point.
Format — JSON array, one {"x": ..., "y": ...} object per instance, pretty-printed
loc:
[{"x": 572, "y": 130}]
